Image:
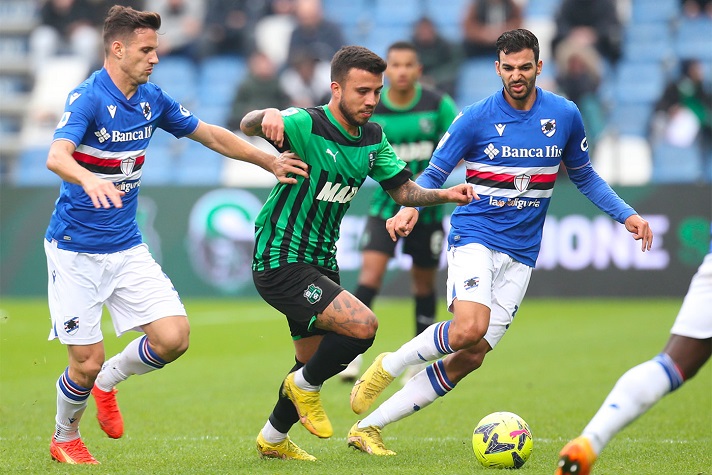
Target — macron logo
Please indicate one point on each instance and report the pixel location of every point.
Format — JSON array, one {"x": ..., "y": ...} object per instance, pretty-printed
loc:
[
  {"x": 500, "y": 128},
  {"x": 73, "y": 98},
  {"x": 112, "y": 110}
]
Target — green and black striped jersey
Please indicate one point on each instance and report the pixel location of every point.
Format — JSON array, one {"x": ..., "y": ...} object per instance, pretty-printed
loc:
[
  {"x": 300, "y": 222},
  {"x": 414, "y": 132}
]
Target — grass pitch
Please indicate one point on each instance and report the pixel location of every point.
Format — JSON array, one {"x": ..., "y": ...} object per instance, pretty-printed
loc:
[{"x": 201, "y": 414}]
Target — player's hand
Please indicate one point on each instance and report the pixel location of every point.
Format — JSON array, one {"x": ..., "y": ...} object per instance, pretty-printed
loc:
[
  {"x": 402, "y": 223},
  {"x": 103, "y": 193},
  {"x": 641, "y": 231},
  {"x": 273, "y": 127},
  {"x": 286, "y": 164},
  {"x": 461, "y": 194}
]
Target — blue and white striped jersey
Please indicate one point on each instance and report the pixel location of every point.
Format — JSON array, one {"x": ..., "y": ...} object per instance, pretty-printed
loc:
[
  {"x": 512, "y": 159},
  {"x": 111, "y": 134}
]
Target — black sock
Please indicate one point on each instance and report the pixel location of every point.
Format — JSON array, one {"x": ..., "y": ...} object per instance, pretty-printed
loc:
[
  {"x": 285, "y": 415},
  {"x": 335, "y": 352},
  {"x": 424, "y": 312},
  {"x": 366, "y": 294}
]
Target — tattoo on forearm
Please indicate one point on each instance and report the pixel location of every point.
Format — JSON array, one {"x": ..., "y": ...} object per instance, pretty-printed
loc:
[
  {"x": 411, "y": 194},
  {"x": 252, "y": 123}
]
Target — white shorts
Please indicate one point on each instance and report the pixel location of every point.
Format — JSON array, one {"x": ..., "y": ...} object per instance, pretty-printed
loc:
[
  {"x": 694, "y": 320},
  {"x": 130, "y": 283},
  {"x": 492, "y": 278}
]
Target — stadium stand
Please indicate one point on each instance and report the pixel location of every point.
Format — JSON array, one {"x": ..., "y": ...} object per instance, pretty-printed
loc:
[{"x": 656, "y": 38}]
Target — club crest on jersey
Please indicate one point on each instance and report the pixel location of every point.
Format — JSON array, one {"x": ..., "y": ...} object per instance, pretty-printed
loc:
[
  {"x": 521, "y": 182},
  {"x": 548, "y": 127},
  {"x": 71, "y": 326},
  {"x": 146, "y": 109},
  {"x": 127, "y": 165},
  {"x": 313, "y": 293}
]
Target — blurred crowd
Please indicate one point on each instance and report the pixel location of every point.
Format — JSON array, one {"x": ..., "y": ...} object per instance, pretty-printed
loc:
[{"x": 287, "y": 46}]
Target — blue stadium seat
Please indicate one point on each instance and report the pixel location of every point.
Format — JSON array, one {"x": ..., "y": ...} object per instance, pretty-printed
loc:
[
  {"x": 672, "y": 164},
  {"x": 654, "y": 11},
  {"x": 198, "y": 165},
  {"x": 631, "y": 119},
  {"x": 31, "y": 169},
  {"x": 638, "y": 82},
  {"x": 541, "y": 8},
  {"x": 177, "y": 76},
  {"x": 476, "y": 81},
  {"x": 382, "y": 36},
  {"x": 654, "y": 49},
  {"x": 218, "y": 79},
  {"x": 694, "y": 39},
  {"x": 347, "y": 14},
  {"x": 397, "y": 12},
  {"x": 447, "y": 16}
]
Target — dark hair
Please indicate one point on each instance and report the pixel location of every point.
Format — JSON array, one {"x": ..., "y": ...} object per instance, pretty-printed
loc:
[
  {"x": 122, "y": 21},
  {"x": 355, "y": 57},
  {"x": 514, "y": 41},
  {"x": 400, "y": 45}
]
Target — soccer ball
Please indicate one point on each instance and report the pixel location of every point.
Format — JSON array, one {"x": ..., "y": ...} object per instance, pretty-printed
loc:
[{"x": 502, "y": 440}]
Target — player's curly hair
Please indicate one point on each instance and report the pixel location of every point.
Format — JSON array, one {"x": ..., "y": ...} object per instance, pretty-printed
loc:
[
  {"x": 122, "y": 21},
  {"x": 358, "y": 57},
  {"x": 514, "y": 41}
]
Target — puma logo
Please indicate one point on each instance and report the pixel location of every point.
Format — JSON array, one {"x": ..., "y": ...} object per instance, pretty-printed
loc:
[{"x": 328, "y": 151}]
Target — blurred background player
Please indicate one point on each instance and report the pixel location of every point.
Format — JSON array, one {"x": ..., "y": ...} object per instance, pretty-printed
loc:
[
  {"x": 513, "y": 144},
  {"x": 294, "y": 265},
  {"x": 414, "y": 118},
  {"x": 95, "y": 252},
  {"x": 687, "y": 350}
]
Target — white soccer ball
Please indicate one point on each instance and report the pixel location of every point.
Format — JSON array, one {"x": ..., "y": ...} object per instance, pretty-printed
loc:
[{"x": 502, "y": 440}]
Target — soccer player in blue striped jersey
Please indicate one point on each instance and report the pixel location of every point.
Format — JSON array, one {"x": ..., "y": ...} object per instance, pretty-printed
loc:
[
  {"x": 95, "y": 253},
  {"x": 513, "y": 143}
]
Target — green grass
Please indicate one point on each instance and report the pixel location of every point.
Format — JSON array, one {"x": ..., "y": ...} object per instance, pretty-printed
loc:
[{"x": 202, "y": 413}]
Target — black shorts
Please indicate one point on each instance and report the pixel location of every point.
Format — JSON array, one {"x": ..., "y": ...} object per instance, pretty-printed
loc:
[
  {"x": 300, "y": 291},
  {"x": 424, "y": 244}
]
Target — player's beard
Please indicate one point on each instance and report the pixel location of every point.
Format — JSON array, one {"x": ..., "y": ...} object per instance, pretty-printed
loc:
[
  {"x": 528, "y": 88},
  {"x": 350, "y": 116}
]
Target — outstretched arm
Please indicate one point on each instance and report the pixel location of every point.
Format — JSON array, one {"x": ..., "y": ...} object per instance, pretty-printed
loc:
[
  {"x": 230, "y": 145},
  {"x": 412, "y": 194}
]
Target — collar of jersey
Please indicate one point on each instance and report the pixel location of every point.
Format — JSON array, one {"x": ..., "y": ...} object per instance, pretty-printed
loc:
[
  {"x": 343, "y": 131},
  {"x": 105, "y": 79},
  {"x": 387, "y": 102}
]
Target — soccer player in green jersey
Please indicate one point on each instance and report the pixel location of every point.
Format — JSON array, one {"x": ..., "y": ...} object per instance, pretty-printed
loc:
[
  {"x": 414, "y": 118},
  {"x": 294, "y": 265}
]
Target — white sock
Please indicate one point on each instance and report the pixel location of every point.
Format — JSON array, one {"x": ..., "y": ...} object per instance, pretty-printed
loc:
[
  {"x": 137, "y": 358},
  {"x": 429, "y": 345},
  {"x": 272, "y": 435},
  {"x": 303, "y": 383},
  {"x": 71, "y": 403},
  {"x": 419, "y": 392},
  {"x": 634, "y": 393}
]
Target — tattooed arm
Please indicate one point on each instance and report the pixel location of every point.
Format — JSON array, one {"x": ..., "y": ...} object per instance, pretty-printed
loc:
[
  {"x": 412, "y": 194},
  {"x": 265, "y": 123}
]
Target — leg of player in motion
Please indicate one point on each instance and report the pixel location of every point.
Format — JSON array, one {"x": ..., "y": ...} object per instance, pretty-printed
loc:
[
  {"x": 486, "y": 288},
  {"x": 420, "y": 391},
  {"x": 348, "y": 329},
  {"x": 164, "y": 341},
  {"x": 644, "y": 385}
]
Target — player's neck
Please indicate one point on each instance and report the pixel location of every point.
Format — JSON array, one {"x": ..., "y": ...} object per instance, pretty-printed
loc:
[
  {"x": 523, "y": 104},
  {"x": 122, "y": 82},
  {"x": 353, "y": 130}
]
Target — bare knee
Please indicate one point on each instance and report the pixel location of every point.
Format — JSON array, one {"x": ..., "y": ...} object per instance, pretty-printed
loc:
[
  {"x": 466, "y": 333},
  {"x": 171, "y": 341},
  {"x": 368, "y": 325}
]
